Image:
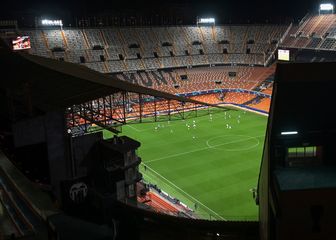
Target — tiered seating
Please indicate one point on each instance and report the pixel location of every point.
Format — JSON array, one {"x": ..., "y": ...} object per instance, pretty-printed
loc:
[
  {"x": 94, "y": 55},
  {"x": 97, "y": 66},
  {"x": 75, "y": 39},
  {"x": 38, "y": 43},
  {"x": 161, "y": 203},
  {"x": 113, "y": 52},
  {"x": 116, "y": 66},
  {"x": 264, "y": 104},
  {"x": 74, "y": 56},
  {"x": 168, "y": 62},
  {"x": 238, "y": 39},
  {"x": 195, "y": 39},
  {"x": 317, "y": 32},
  {"x": 199, "y": 60},
  {"x": 155, "y": 48},
  {"x": 201, "y": 79},
  {"x": 208, "y": 98},
  {"x": 162, "y": 35},
  {"x": 183, "y": 61},
  {"x": 148, "y": 42},
  {"x": 314, "y": 43},
  {"x": 54, "y": 39},
  {"x": 316, "y": 25},
  {"x": 210, "y": 46},
  {"x": 181, "y": 42},
  {"x": 115, "y": 45},
  {"x": 332, "y": 30},
  {"x": 94, "y": 37},
  {"x": 238, "y": 97},
  {"x": 216, "y": 58},
  {"x": 134, "y": 64},
  {"x": 329, "y": 43},
  {"x": 152, "y": 63},
  {"x": 229, "y": 98},
  {"x": 268, "y": 90},
  {"x": 291, "y": 36}
]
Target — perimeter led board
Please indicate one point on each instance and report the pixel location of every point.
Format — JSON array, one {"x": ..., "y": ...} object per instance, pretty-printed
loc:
[
  {"x": 283, "y": 55},
  {"x": 21, "y": 43}
]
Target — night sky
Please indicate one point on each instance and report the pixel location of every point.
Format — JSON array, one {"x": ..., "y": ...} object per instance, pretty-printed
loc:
[{"x": 225, "y": 9}]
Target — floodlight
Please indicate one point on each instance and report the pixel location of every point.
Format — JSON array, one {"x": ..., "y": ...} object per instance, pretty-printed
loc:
[
  {"x": 289, "y": 133},
  {"x": 326, "y": 7},
  {"x": 48, "y": 22},
  {"x": 206, "y": 20}
]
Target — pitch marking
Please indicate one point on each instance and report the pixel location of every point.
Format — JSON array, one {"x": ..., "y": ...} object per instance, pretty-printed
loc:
[
  {"x": 237, "y": 149},
  {"x": 194, "y": 199},
  {"x": 196, "y": 150}
]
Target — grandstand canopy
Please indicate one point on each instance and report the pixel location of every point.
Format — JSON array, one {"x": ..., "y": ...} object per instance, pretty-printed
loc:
[{"x": 53, "y": 84}]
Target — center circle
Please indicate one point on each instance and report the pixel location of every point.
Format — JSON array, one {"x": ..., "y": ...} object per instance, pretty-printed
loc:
[{"x": 233, "y": 142}]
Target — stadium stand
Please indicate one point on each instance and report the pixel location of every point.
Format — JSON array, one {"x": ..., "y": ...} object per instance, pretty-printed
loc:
[
  {"x": 179, "y": 60},
  {"x": 202, "y": 78},
  {"x": 314, "y": 32},
  {"x": 135, "y": 49},
  {"x": 263, "y": 104}
]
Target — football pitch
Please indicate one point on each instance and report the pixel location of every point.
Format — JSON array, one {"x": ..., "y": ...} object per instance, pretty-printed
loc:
[{"x": 210, "y": 162}]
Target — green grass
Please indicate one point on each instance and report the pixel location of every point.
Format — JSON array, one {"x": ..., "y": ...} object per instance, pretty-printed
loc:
[{"x": 210, "y": 164}]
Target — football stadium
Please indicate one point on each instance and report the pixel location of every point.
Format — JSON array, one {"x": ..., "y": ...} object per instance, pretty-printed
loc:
[{"x": 118, "y": 128}]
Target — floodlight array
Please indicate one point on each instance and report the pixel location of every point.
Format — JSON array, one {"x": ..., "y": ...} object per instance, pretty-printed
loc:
[
  {"x": 48, "y": 22},
  {"x": 206, "y": 20},
  {"x": 326, "y": 7}
]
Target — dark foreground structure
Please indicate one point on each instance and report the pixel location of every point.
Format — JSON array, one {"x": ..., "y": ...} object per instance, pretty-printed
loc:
[
  {"x": 297, "y": 184},
  {"x": 50, "y": 111}
]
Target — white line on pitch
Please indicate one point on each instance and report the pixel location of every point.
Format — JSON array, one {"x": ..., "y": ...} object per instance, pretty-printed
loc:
[
  {"x": 194, "y": 199},
  {"x": 134, "y": 128},
  {"x": 199, "y": 149}
]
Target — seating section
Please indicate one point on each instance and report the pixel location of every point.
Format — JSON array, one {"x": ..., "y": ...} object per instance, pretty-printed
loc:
[
  {"x": 136, "y": 49},
  {"x": 262, "y": 104},
  {"x": 315, "y": 32},
  {"x": 54, "y": 38},
  {"x": 202, "y": 78},
  {"x": 158, "y": 204},
  {"x": 165, "y": 58},
  {"x": 236, "y": 98},
  {"x": 38, "y": 42}
]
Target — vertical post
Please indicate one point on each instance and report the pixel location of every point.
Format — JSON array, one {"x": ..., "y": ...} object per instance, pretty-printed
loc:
[
  {"x": 85, "y": 123},
  {"x": 104, "y": 109},
  {"x": 155, "y": 116},
  {"x": 183, "y": 103},
  {"x": 195, "y": 109},
  {"x": 91, "y": 111},
  {"x": 73, "y": 117},
  {"x": 140, "y": 106},
  {"x": 169, "y": 117},
  {"x": 124, "y": 106},
  {"x": 111, "y": 106}
]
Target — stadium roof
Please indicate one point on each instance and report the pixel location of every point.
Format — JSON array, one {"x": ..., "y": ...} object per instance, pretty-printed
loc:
[{"x": 55, "y": 85}]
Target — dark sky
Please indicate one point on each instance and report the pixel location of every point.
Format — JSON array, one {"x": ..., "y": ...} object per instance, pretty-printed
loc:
[{"x": 227, "y": 9}]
